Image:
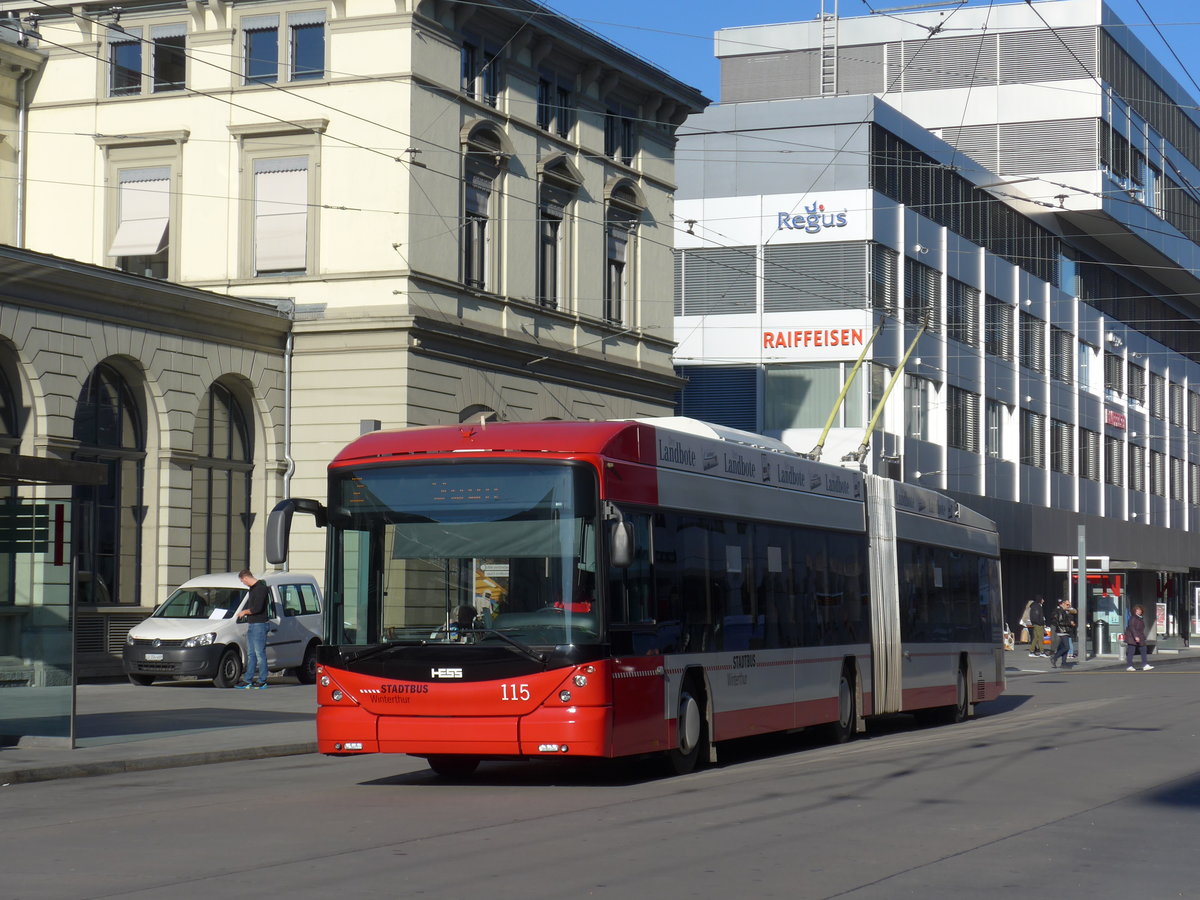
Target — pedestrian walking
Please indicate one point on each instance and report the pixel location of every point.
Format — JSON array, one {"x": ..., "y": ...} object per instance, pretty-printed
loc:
[
  {"x": 1135, "y": 639},
  {"x": 256, "y": 614},
  {"x": 1037, "y": 626},
  {"x": 1062, "y": 623}
]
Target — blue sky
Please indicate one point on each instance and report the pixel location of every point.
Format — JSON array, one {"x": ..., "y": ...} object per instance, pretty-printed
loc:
[{"x": 677, "y": 36}]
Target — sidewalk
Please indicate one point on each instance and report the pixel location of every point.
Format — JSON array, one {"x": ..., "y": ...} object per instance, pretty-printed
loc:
[
  {"x": 122, "y": 728},
  {"x": 1018, "y": 662}
]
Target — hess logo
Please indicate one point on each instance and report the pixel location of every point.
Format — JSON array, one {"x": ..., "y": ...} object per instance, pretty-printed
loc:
[{"x": 445, "y": 673}]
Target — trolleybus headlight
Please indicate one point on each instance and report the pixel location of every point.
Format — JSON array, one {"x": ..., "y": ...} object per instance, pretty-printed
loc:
[
  {"x": 324, "y": 681},
  {"x": 580, "y": 681},
  {"x": 337, "y": 695},
  {"x": 564, "y": 696}
]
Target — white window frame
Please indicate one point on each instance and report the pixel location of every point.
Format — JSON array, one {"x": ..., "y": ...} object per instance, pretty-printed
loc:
[{"x": 285, "y": 44}]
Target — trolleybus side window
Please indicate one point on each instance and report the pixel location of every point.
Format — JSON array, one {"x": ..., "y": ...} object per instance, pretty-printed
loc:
[{"x": 944, "y": 594}]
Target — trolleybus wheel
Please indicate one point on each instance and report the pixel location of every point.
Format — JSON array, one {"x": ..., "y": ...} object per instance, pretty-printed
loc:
[
  {"x": 453, "y": 766},
  {"x": 961, "y": 710},
  {"x": 843, "y": 729},
  {"x": 692, "y": 729}
]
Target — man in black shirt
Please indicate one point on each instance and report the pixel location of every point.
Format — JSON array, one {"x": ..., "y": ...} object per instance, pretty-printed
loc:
[{"x": 255, "y": 612}]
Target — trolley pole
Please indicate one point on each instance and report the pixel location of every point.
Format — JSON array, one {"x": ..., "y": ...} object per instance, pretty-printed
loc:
[{"x": 1082, "y": 596}]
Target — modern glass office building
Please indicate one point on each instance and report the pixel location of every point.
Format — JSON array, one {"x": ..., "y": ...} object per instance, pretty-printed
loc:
[{"x": 1006, "y": 194}]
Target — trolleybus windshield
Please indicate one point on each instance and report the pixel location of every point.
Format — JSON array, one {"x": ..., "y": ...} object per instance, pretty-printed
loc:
[{"x": 466, "y": 553}]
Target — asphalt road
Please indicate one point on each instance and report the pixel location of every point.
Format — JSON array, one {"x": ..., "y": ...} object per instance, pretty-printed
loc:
[{"x": 1075, "y": 784}]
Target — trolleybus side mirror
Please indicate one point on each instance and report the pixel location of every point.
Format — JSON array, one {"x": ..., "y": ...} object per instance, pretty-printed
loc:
[
  {"x": 279, "y": 526},
  {"x": 621, "y": 546}
]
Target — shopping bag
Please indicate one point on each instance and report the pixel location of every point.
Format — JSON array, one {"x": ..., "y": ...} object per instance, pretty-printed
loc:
[{"x": 1024, "y": 636}]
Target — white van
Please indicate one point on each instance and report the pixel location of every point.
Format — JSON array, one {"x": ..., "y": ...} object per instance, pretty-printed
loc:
[{"x": 195, "y": 632}]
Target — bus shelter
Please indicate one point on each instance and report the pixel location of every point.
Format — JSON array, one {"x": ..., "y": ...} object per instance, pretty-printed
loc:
[{"x": 37, "y": 646}]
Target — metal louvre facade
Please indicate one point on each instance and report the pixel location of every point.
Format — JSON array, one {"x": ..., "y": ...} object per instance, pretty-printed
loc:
[{"x": 798, "y": 277}]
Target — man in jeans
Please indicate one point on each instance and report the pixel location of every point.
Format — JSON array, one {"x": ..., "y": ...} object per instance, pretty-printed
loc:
[{"x": 255, "y": 614}]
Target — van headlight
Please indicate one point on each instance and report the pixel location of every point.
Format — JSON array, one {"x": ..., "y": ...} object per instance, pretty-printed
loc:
[
  {"x": 201, "y": 640},
  {"x": 129, "y": 640}
]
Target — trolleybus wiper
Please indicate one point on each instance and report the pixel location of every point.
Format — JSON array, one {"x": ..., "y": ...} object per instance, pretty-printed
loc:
[
  {"x": 371, "y": 651},
  {"x": 523, "y": 648}
]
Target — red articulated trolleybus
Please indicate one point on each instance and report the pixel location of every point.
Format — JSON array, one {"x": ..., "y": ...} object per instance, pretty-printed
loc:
[{"x": 612, "y": 589}]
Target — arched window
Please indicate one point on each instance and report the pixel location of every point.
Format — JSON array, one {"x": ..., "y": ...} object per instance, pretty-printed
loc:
[
  {"x": 485, "y": 152},
  {"x": 623, "y": 208},
  {"x": 9, "y": 505},
  {"x": 221, "y": 475},
  {"x": 560, "y": 182},
  {"x": 9, "y": 415},
  {"x": 108, "y": 526}
]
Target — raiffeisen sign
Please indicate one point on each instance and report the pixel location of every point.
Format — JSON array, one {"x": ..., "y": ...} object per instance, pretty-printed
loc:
[{"x": 813, "y": 336}]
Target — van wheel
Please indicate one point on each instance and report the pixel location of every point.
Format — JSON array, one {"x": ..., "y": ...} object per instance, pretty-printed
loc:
[
  {"x": 141, "y": 680},
  {"x": 229, "y": 669},
  {"x": 453, "y": 766},
  {"x": 306, "y": 672}
]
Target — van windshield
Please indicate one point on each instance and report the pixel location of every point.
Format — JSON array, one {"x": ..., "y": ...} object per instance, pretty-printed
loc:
[{"x": 202, "y": 603}]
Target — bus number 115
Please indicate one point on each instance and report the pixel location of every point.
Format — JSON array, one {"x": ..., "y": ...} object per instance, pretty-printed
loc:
[{"x": 514, "y": 692}]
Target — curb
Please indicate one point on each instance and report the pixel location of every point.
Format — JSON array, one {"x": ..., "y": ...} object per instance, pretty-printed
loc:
[{"x": 151, "y": 763}]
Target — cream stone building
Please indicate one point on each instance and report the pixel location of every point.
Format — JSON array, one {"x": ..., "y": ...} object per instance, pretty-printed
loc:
[{"x": 465, "y": 209}]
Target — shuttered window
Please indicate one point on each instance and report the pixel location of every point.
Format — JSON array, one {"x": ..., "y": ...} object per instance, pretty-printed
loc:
[
  {"x": 1194, "y": 484},
  {"x": 678, "y": 306},
  {"x": 1062, "y": 355},
  {"x": 1137, "y": 467},
  {"x": 723, "y": 395},
  {"x": 1112, "y": 374},
  {"x": 1114, "y": 462},
  {"x": 143, "y": 211},
  {"x": 1176, "y": 404},
  {"x": 280, "y": 215},
  {"x": 1158, "y": 396},
  {"x": 922, "y": 295},
  {"x": 1158, "y": 473},
  {"x": 1176, "y": 478},
  {"x": 1062, "y": 456},
  {"x": 962, "y": 419},
  {"x": 1137, "y": 383},
  {"x": 1033, "y": 439},
  {"x": 962, "y": 312},
  {"x": 1033, "y": 349},
  {"x": 998, "y": 328},
  {"x": 1194, "y": 412},
  {"x": 720, "y": 281},
  {"x": 1089, "y": 454},
  {"x": 798, "y": 277},
  {"x": 884, "y": 263}
]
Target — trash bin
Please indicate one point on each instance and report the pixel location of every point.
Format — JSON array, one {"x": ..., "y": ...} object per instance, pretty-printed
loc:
[{"x": 1102, "y": 640}]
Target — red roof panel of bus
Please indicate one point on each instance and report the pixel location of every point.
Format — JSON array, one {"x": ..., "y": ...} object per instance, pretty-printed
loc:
[{"x": 632, "y": 441}]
